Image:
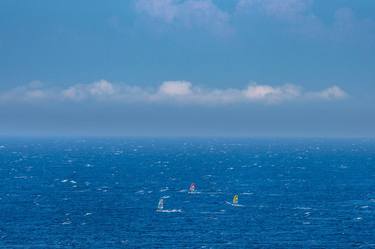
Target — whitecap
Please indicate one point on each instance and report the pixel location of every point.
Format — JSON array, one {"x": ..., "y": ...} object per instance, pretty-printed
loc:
[
  {"x": 194, "y": 192},
  {"x": 21, "y": 177},
  {"x": 303, "y": 208},
  {"x": 169, "y": 211},
  {"x": 67, "y": 222},
  {"x": 214, "y": 193},
  {"x": 164, "y": 189},
  {"x": 247, "y": 193},
  {"x": 234, "y": 205},
  {"x": 213, "y": 212}
]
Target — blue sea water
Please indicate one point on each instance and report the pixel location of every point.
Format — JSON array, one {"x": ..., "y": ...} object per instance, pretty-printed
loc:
[{"x": 103, "y": 193}]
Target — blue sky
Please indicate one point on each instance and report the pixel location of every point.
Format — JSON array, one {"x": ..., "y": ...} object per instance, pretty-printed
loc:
[{"x": 188, "y": 68}]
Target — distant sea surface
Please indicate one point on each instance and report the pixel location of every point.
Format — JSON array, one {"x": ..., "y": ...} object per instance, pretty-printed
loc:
[{"x": 103, "y": 193}]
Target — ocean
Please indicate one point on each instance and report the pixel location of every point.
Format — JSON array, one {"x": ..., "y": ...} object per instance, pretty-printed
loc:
[{"x": 104, "y": 192}]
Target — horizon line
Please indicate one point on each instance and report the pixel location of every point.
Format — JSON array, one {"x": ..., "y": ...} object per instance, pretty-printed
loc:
[{"x": 90, "y": 136}]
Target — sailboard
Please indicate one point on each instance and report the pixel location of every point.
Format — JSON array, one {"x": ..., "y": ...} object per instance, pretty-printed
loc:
[
  {"x": 192, "y": 188},
  {"x": 161, "y": 209},
  {"x": 161, "y": 204},
  {"x": 234, "y": 202}
]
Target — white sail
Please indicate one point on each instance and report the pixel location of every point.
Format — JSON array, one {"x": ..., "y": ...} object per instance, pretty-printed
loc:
[{"x": 161, "y": 204}]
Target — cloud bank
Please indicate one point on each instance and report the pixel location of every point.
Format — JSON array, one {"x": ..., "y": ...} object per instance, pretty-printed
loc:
[{"x": 170, "y": 92}]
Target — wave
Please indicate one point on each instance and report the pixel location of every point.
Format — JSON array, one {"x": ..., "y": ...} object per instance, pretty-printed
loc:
[
  {"x": 195, "y": 192},
  {"x": 164, "y": 189},
  {"x": 169, "y": 211},
  {"x": 234, "y": 205}
]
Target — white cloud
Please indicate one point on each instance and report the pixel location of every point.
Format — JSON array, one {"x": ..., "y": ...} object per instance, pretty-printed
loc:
[
  {"x": 32, "y": 91},
  {"x": 190, "y": 13},
  {"x": 272, "y": 94},
  {"x": 283, "y": 9},
  {"x": 297, "y": 16},
  {"x": 300, "y": 18},
  {"x": 331, "y": 93},
  {"x": 100, "y": 88},
  {"x": 31, "y": 94},
  {"x": 175, "y": 88},
  {"x": 74, "y": 92},
  {"x": 171, "y": 91},
  {"x": 166, "y": 10}
]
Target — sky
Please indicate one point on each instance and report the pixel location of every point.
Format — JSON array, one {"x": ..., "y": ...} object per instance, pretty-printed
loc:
[{"x": 291, "y": 68}]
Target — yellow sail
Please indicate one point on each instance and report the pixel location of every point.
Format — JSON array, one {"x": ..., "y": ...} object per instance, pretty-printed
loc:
[{"x": 235, "y": 199}]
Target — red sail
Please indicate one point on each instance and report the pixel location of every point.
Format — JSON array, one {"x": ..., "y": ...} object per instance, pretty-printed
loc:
[{"x": 192, "y": 187}]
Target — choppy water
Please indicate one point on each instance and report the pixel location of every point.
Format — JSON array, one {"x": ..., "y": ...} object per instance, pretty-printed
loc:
[{"x": 103, "y": 193}]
